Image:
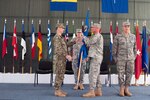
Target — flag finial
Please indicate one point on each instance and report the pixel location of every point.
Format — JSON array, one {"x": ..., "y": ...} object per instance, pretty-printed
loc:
[
  {"x": 100, "y": 22},
  {"x": 110, "y": 22},
  {"x": 72, "y": 22},
  {"x": 32, "y": 21},
  {"x": 40, "y": 21},
  {"x": 82, "y": 23},
  {"x": 22, "y": 21},
  {"x": 144, "y": 23},
  {"x": 58, "y": 21},
  {"x": 14, "y": 21},
  {"x": 48, "y": 21},
  {"x": 137, "y": 22},
  {"x": 117, "y": 23},
  {"x": 67, "y": 22},
  {"x": 5, "y": 20},
  {"x": 134, "y": 23},
  {"x": 91, "y": 22}
]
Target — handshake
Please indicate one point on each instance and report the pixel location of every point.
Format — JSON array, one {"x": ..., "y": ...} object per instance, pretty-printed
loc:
[{"x": 68, "y": 57}]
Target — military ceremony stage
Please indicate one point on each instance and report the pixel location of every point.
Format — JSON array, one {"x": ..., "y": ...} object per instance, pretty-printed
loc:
[
  {"x": 46, "y": 92},
  {"x": 21, "y": 87}
]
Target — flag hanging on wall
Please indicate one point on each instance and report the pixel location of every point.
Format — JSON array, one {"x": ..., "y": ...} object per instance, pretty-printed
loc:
[
  {"x": 14, "y": 42},
  {"x": 63, "y": 5},
  {"x": 4, "y": 47},
  {"x": 39, "y": 43},
  {"x": 23, "y": 42},
  {"x": 115, "y": 6}
]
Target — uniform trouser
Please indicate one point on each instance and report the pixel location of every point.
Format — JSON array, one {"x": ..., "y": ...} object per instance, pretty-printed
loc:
[
  {"x": 76, "y": 68},
  {"x": 126, "y": 68},
  {"x": 94, "y": 73},
  {"x": 60, "y": 71}
]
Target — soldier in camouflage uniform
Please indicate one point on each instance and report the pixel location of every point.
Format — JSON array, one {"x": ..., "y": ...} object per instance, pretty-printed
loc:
[
  {"x": 124, "y": 54},
  {"x": 75, "y": 58},
  {"x": 59, "y": 60},
  {"x": 95, "y": 54}
]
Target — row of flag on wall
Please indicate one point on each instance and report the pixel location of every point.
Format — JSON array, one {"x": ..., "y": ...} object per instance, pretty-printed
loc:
[
  {"x": 23, "y": 41},
  {"x": 108, "y": 6},
  {"x": 142, "y": 58}
]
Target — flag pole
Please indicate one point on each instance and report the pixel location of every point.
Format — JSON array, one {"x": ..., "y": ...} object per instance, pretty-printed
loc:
[
  {"x": 31, "y": 57},
  {"x": 4, "y": 66},
  {"x": 13, "y": 66},
  {"x": 6, "y": 49},
  {"x": 22, "y": 66},
  {"x": 135, "y": 84},
  {"x": 79, "y": 70},
  {"x": 13, "y": 50},
  {"x": 23, "y": 55},
  {"x": 145, "y": 80},
  {"x": 30, "y": 65}
]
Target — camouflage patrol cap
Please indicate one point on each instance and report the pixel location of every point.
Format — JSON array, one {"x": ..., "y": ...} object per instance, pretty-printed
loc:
[
  {"x": 60, "y": 25},
  {"x": 96, "y": 25},
  {"x": 126, "y": 23},
  {"x": 78, "y": 30}
]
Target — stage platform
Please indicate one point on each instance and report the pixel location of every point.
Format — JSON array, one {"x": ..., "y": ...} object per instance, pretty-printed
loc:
[{"x": 22, "y": 91}]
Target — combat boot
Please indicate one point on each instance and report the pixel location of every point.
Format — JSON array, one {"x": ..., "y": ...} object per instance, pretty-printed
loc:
[
  {"x": 121, "y": 93},
  {"x": 76, "y": 87},
  {"x": 59, "y": 93},
  {"x": 64, "y": 92},
  {"x": 127, "y": 92},
  {"x": 98, "y": 92},
  {"x": 89, "y": 94},
  {"x": 81, "y": 86}
]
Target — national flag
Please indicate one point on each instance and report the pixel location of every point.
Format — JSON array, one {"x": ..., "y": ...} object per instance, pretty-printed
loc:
[
  {"x": 111, "y": 42},
  {"x": 145, "y": 59},
  {"x": 138, "y": 60},
  {"x": 4, "y": 47},
  {"x": 115, "y": 6},
  {"x": 66, "y": 33},
  {"x": 49, "y": 41},
  {"x": 117, "y": 29},
  {"x": 14, "y": 42},
  {"x": 39, "y": 43},
  {"x": 33, "y": 42},
  {"x": 63, "y": 5},
  {"x": 23, "y": 42}
]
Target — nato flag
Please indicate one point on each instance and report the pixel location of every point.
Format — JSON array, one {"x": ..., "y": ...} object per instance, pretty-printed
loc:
[{"x": 115, "y": 6}]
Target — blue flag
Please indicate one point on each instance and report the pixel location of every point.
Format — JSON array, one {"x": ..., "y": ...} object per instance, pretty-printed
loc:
[
  {"x": 145, "y": 62},
  {"x": 87, "y": 25},
  {"x": 63, "y": 5},
  {"x": 115, "y": 6},
  {"x": 85, "y": 30}
]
